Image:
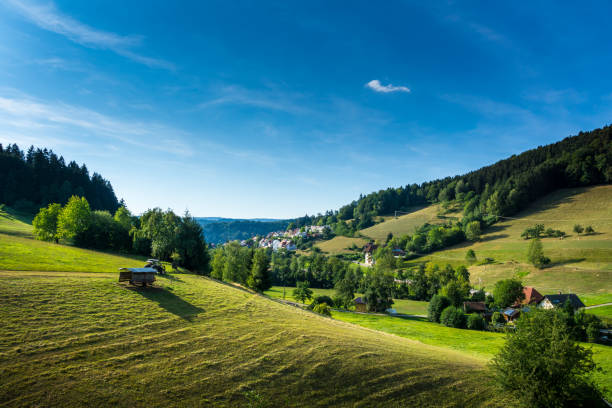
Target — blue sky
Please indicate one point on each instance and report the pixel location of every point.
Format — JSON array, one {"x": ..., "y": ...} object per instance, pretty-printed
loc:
[{"x": 277, "y": 109}]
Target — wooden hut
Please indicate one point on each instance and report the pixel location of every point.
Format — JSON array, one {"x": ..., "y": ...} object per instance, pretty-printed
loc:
[
  {"x": 135, "y": 276},
  {"x": 360, "y": 305}
]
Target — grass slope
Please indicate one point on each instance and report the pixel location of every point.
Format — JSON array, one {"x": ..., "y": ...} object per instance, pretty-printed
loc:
[
  {"x": 405, "y": 224},
  {"x": 581, "y": 264},
  {"x": 82, "y": 339},
  {"x": 482, "y": 345},
  {"x": 20, "y": 251},
  {"x": 340, "y": 245}
]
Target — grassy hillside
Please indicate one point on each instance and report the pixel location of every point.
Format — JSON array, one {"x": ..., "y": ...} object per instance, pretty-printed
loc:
[
  {"x": 581, "y": 264},
  {"x": 406, "y": 224},
  {"x": 20, "y": 251},
  {"x": 340, "y": 245},
  {"x": 82, "y": 339},
  {"x": 478, "y": 344}
]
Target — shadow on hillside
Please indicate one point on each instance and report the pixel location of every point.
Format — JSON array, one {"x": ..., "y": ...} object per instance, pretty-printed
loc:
[
  {"x": 415, "y": 318},
  {"x": 566, "y": 261},
  {"x": 169, "y": 301},
  {"x": 493, "y": 237}
]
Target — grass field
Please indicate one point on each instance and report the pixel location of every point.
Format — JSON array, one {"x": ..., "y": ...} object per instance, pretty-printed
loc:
[
  {"x": 339, "y": 245},
  {"x": 581, "y": 264},
  {"x": 78, "y": 339},
  {"x": 482, "y": 345},
  {"x": 405, "y": 224},
  {"x": 404, "y": 306},
  {"x": 20, "y": 251}
]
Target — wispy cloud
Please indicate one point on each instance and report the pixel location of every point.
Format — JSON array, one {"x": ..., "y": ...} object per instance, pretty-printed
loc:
[
  {"x": 48, "y": 17},
  {"x": 265, "y": 99},
  {"x": 376, "y": 86},
  {"x": 30, "y": 118}
]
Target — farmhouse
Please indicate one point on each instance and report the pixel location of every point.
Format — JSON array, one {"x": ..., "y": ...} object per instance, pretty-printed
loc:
[
  {"x": 360, "y": 305},
  {"x": 532, "y": 297},
  {"x": 550, "y": 301}
]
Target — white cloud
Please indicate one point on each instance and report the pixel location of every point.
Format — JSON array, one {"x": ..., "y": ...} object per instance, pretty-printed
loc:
[
  {"x": 49, "y": 18},
  {"x": 375, "y": 85}
]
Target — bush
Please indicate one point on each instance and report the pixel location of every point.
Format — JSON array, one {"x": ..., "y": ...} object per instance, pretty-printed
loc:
[
  {"x": 497, "y": 318},
  {"x": 542, "y": 366},
  {"x": 476, "y": 322},
  {"x": 321, "y": 299},
  {"x": 322, "y": 309},
  {"x": 453, "y": 317},
  {"x": 436, "y": 305}
]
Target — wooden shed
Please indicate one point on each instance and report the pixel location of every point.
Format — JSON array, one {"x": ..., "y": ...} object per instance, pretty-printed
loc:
[
  {"x": 135, "y": 276},
  {"x": 360, "y": 305}
]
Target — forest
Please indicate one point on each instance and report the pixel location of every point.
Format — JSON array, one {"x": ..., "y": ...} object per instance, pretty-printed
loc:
[
  {"x": 501, "y": 189},
  {"x": 31, "y": 180}
]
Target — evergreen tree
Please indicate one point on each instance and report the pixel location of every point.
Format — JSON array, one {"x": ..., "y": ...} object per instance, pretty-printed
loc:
[
  {"x": 259, "y": 279},
  {"x": 535, "y": 254}
]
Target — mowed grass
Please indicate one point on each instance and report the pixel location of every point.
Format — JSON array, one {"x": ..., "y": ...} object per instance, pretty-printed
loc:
[
  {"x": 20, "y": 251},
  {"x": 479, "y": 344},
  {"x": 404, "y": 306},
  {"x": 340, "y": 245},
  {"x": 404, "y": 224},
  {"x": 582, "y": 264},
  {"x": 84, "y": 340}
]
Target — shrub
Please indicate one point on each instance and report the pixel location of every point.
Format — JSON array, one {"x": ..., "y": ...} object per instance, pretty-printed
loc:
[
  {"x": 436, "y": 305},
  {"x": 542, "y": 366},
  {"x": 321, "y": 299},
  {"x": 453, "y": 317},
  {"x": 589, "y": 230},
  {"x": 578, "y": 229},
  {"x": 497, "y": 318},
  {"x": 470, "y": 256},
  {"x": 322, "y": 309},
  {"x": 476, "y": 322}
]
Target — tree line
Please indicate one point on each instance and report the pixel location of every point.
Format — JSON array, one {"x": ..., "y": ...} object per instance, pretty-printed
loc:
[
  {"x": 157, "y": 233},
  {"x": 39, "y": 177}
]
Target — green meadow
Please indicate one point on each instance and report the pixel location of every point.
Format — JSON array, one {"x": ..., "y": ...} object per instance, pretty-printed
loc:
[
  {"x": 478, "y": 344},
  {"x": 75, "y": 339}
]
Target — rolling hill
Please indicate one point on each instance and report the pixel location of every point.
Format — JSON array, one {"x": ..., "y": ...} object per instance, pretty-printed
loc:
[
  {"x": 71, "y": 339},
  {"x": 580, "y": 263}
]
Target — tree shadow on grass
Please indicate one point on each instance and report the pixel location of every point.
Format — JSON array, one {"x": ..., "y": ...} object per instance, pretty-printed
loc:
[
  {"x": 565, "y": 261},
  {"x": 169, "y": 301}
]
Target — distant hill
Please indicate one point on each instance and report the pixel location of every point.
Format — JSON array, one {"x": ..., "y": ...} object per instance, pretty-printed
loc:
[{"x": 218, "y": 230}]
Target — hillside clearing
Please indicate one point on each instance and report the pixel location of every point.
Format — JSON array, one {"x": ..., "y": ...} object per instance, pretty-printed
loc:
[
  {"x": 192, "y": 341},
  {"x": 341, "y": 245},
  {"x": 580, "y": 263},
  {"x": 405, "y": 224}
]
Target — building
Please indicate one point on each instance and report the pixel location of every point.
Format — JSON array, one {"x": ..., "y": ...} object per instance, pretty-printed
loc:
[
  {"x": 398, "y": 252},
  {"x": 532, "y": 297},
  {"x": 360, "y": 305},
  {"x": 511, "y": 314},
  {"x": 477, "y": 307},
  {"x": 368, "y": 250},
  {"x": 550, "y": 301}
]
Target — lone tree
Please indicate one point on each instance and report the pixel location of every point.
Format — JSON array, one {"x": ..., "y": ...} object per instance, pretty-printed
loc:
[
  {"x": 589, "y": 230},
  {"x": 578, "y": 229},
  {"x": 535, "y": 254},
  {"x": 302, "y": 292},
  {"x": 542, "y": 366},
  {"x": 470, "y": 256}
]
